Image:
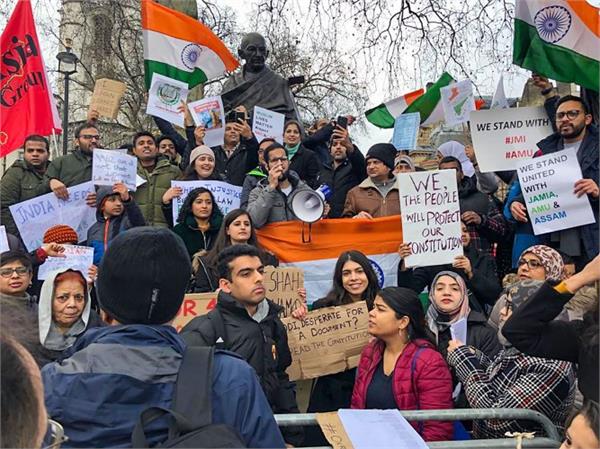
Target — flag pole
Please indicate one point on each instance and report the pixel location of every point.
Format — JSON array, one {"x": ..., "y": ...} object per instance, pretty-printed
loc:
[{"x": 54, "y": 143}]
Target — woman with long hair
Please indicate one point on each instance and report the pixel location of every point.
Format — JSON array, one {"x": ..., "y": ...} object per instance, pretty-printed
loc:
[
  {"x": 199, "y": 221},
  {"x": 237, "y": 228},
  {"x": 400, "y": 368}
]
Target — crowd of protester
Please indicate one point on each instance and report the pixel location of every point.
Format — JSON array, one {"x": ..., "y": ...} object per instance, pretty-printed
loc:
[{"x": 107, "y": 352}]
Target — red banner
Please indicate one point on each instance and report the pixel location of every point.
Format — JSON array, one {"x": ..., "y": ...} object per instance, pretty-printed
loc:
[{"x": 26, "y": 102}]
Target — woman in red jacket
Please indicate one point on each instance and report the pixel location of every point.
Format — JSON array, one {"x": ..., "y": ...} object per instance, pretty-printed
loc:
[{"x": 401, "y": 368}]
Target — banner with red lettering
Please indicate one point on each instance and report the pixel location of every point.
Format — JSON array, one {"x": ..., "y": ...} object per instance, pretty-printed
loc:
[{"x": 26, "y": 102}]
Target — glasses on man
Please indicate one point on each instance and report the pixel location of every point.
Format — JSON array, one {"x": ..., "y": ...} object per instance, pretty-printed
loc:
[
  {"x": 532, "y": 264},
  {"x": 64, "y": 298},
  {"x": 55, "y": 436},
  {"x": 573, "y": 113},
  {"x": 89, "y": 136},
  {"x": 8, "y": 272}
]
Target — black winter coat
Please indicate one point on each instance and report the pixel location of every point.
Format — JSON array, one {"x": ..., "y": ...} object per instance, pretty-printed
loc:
[
  {"x": 347, "y": 175},
  {"x": 306, "y": 164},
  {"x": 243, "y": 159}
]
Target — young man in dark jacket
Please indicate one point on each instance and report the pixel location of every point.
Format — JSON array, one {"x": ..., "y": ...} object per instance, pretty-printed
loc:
[
  {"x": 247, "y": 323},
  {"x": 116, "y": 212},
  {"x": 345, "y": 170},
  {"x": 114, "y": 373}
]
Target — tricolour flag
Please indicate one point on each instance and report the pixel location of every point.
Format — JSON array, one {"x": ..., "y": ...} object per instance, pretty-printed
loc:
[
  {"x": 385, "y": 114},
  {"x": 26, "y": 102},
  {"x": 429, "y": 105},
  {"x": 378, "y": 239},
  {"x": 559, "y": 39},
  {"x": 180, "y": 47}
]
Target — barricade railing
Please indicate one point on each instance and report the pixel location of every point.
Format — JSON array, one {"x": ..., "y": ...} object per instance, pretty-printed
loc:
[{"x": 550, "y": 440}]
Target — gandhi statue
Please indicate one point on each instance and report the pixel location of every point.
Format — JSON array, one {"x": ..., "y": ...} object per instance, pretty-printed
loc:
[{"x": 256, "y": 84}]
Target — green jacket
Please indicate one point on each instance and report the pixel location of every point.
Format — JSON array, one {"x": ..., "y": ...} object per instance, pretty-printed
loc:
[
  {"x": 72, "y": 169},
  {"x": 19, "y": 183},
  {"x": 149, "y": 195}
]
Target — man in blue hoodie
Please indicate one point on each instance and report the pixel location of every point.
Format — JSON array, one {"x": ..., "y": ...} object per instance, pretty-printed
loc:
[
  {"x": 116, "y": 211},
  {"x": 114, "y": 373}
]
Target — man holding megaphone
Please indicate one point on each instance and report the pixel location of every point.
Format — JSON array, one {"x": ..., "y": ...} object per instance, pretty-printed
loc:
[{"x": 283, "y": 196}]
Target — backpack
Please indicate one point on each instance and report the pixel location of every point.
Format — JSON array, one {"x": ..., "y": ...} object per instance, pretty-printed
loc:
[{"x": 191, "y": 414}]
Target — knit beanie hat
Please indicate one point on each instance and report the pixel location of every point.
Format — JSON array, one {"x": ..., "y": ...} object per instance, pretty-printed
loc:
[
  {"x": 385, "y": 152},
  {"x": 199, "y": 151},
  {"x": 550, "y": 259},
  {"x": 62, "y": 234},
  {"x": 143, "y": 276}
]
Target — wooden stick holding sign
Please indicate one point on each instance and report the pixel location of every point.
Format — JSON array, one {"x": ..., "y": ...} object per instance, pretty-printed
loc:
[{"x": 327, "y": 341}]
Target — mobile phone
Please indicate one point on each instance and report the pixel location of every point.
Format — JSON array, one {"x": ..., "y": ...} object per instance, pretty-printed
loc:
[
  {"x": 342, "y": 121},
  {"x": 235, "y": 116}
]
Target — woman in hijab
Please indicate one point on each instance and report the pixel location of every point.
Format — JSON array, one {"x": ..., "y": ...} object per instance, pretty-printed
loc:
[
  {"x": 513, "y": 379},
  {"x": 64, "y": 311}
]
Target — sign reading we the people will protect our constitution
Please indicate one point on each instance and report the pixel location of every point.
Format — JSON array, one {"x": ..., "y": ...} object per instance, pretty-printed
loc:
[{"x": 547, "y": 183}]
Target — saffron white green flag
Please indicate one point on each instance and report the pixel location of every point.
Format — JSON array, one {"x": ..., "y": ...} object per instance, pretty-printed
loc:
[
  {"x": 179, "y": 47},
  {"x": 385, "y": 114},
  {"x": 559, "y": 39},
  {"x": 429, "y": 105}
]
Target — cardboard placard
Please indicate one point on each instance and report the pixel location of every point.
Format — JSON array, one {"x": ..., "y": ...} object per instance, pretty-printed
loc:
[
  {"x": 334, "y": 431},
  {"x": 106, "y": 98},
  {"x": 327, "y": 341},
  {"x": 281, "y": 287},
  {"x": 194, "y": 304}
]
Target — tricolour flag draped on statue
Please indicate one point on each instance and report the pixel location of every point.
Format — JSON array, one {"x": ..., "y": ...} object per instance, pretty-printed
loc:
[
  {"x": 378, "y": 239},
  {"x": 26, "y": 102},
  {"x": 559, "y": 39},
  {"x": 385, "y": 114},
  {"x": 180, "y": 47}
]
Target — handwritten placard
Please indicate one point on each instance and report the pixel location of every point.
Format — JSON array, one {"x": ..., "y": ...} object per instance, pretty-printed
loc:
[
  {"x": 547, "y": 186},
  {"x": 79, "y": 258},
  {"x": 504, "y": 138},
  {"x": 406, "y": 130},
  {"x": 458, "y": 102},
  {"x": 210, "y": 114},
  {"x": 194, "y": 304},
  {"x": 34, "y": 216},
  {"x": 227, "y": 196},
  {"x": 110, "y": 167},
  {"x": 281, "y": 285},
  {"x": 165, "y": 97},
  {"x": 327, "y": 341},
  {"x": 106, "y": 98},
  {"x": 266, "y": 123},
  {"x": 430, "y": 217},
  {"x": 3, "y": 239}
]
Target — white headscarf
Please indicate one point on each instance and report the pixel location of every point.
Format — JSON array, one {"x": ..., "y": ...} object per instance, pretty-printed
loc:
[{"x": 457, "y": 150}]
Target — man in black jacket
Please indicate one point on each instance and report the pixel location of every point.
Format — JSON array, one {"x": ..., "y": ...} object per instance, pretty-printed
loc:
[
  {"x": 346, "y": 170},
  {"x": 247, "y": 323}
]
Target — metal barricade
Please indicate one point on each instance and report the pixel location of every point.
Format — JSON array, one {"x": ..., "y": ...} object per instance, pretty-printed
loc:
[{"x": 551, "y": 440}]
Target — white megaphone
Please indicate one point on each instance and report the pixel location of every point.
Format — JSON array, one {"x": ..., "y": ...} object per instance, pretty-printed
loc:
[{"x": 308, "y": 205}]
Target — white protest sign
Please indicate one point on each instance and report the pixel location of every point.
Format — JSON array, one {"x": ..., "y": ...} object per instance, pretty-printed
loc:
[
  {"x": 227, "y": 196},
  {"x": 110, "y": 167},
  {"x": 209, "y": 113},
  {"x": 430, "y": 217},
  {"x": 165, "y": 97},
  {"x": 547, "y": 186},
  {"x": 34, "y": 216},
  {"x": 3, "y": 239},
  {"x": 79, "y": 258},
  {"x": 406, "y": 130},
  {"x": 266, "y": 123},
  {"x": 458, "y": 102},
  {"x": 503, "y": 138}
]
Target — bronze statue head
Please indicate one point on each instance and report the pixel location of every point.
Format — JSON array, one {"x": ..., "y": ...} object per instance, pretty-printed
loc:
[{"x": 253, "y": 50}]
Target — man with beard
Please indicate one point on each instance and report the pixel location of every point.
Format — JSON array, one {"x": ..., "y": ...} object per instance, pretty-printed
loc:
[
  {"x": 345, "y": 170},
  {"x": 269, "y": 200},
  {"x": 22, "y": 180},
  {"x": 257, "y": 84},
  {"x": 73, "y": 168},
  {"x": 574, "y": 130},
  {"x": 157, "y": 174}
]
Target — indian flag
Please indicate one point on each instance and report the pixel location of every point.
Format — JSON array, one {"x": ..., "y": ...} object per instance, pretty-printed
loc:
[
  {"x": 384, "y": 115},
  {"x": 559, "y": 39},
  {"x": 180, "y": 47},
  {"x": 378, "y": 239},
  {"x": 429, "y": 105}
]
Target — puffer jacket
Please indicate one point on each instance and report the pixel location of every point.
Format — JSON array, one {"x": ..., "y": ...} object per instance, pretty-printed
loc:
[
  {"x": 20, "y": 182},
  {"x": 366, "y": 197},
  {"x": 114, "y": 373},
  {"x": 105, "y": 229},
  {"x": 71, "y": 169},
  {"x": 149, "y": 195},
  {"x": 269, "y": 206},
  {"x": 196, "y": 240},
  {"x": 429, "y": 388}
]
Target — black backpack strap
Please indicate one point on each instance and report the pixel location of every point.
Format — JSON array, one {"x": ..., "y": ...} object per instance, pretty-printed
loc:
[{"x": 216, "y": 319}]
